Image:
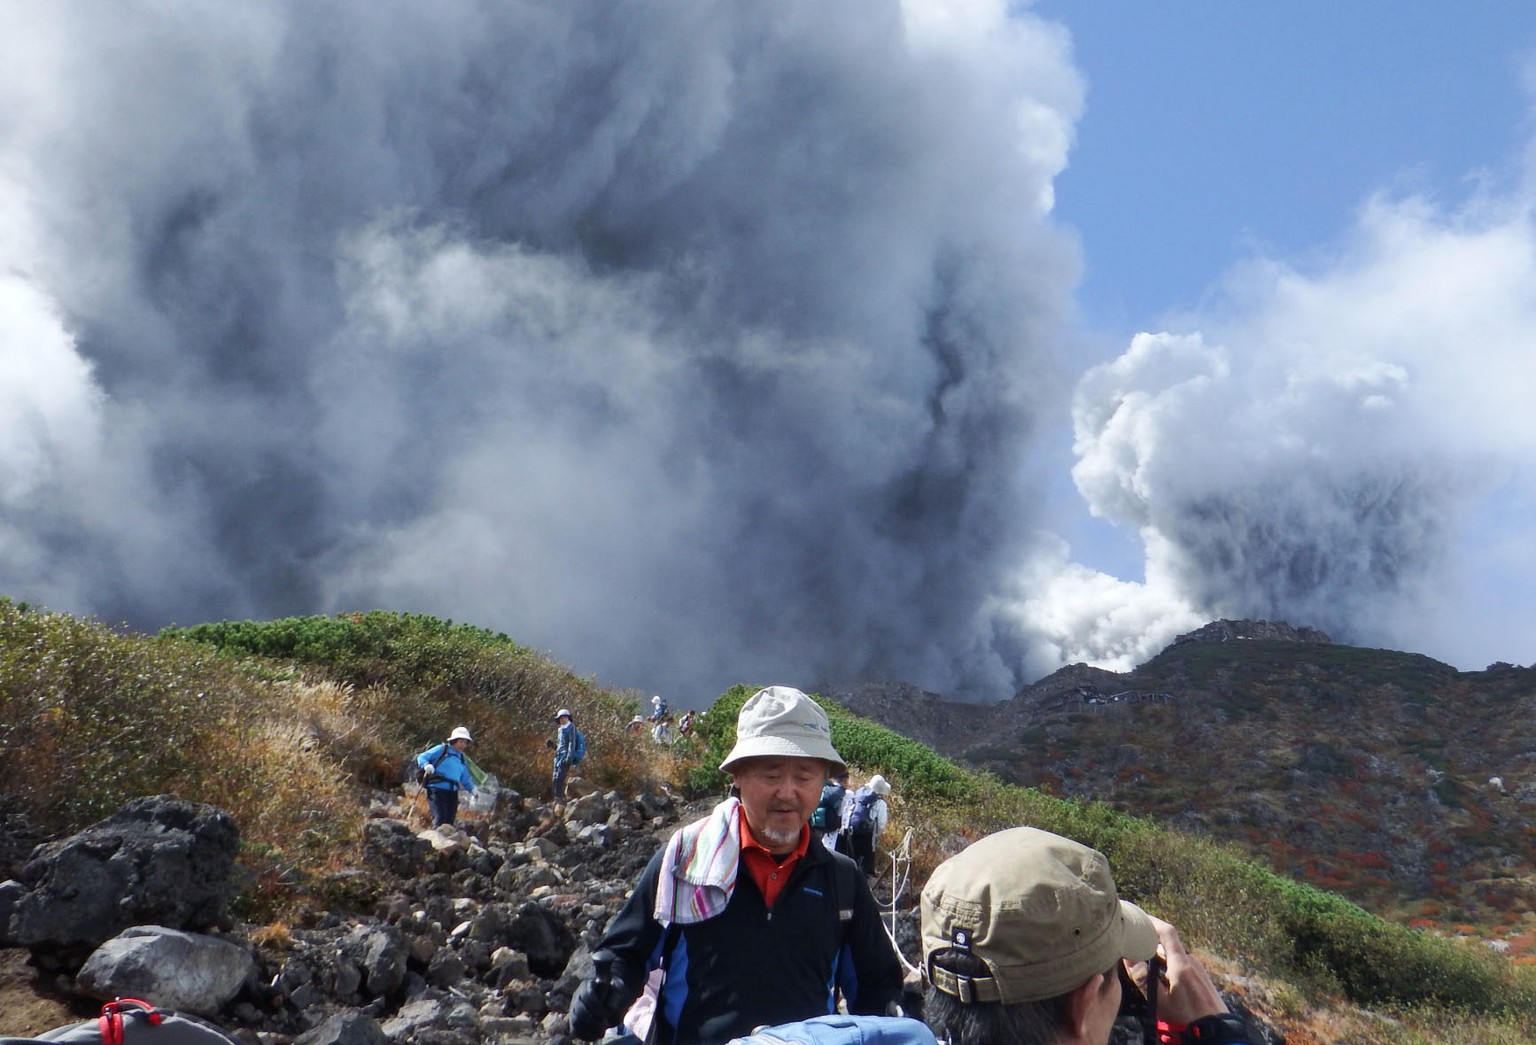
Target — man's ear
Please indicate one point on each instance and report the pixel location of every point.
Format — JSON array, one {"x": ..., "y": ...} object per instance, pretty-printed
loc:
[{"x": 1082, "y": 1003}]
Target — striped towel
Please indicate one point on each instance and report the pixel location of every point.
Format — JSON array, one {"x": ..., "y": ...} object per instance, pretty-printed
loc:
[{"x": 698, "y": 869}]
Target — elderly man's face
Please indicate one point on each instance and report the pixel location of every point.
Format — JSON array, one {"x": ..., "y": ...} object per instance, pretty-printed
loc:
[{"x": 778, "y": 795}]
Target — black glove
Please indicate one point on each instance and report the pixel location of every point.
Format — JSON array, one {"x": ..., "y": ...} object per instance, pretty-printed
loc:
[{"x": 600, "y": 1001}]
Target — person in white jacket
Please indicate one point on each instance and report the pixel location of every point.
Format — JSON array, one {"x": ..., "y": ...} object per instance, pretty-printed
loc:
[{"x": 865, "y": 814}]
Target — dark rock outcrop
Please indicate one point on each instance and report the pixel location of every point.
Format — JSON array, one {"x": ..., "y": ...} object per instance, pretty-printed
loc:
[{"x": 158, "y": 861}]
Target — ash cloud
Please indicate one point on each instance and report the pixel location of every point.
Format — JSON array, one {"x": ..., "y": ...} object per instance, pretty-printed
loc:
[
  {"x": 1343, "y": 447},
  {"x": 699, "y": 343},
  {"x": 695, "y": 343}
]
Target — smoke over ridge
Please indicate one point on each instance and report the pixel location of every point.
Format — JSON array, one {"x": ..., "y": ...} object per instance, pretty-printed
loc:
[
  {"x": 692, "y": 342},
  {"x": 695, "y": 343}
]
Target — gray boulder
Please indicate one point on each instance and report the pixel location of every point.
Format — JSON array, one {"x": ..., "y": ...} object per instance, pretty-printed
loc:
[
  {"x": 392, "y": 845},
  {"x": 544, "y": 937},
  {"x": 345, "y": 1028},
  {"x": 168, "y": 968}
]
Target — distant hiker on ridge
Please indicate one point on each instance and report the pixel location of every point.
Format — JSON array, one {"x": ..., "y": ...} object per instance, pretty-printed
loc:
[
  {"x": 828, "y": 818},
  {"x": 865, "y": 814},
  {"x": 570, "y": 748}
]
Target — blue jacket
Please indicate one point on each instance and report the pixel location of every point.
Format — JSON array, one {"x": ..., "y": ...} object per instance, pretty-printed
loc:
[
  {"x": 565, "y": 744},
  {"x": 452, "y": 770}
]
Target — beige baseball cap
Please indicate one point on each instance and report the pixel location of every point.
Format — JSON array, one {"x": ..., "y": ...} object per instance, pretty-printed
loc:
[
  {"x": 1039, "y": 910},
  {"x": 782, "y": 722}
]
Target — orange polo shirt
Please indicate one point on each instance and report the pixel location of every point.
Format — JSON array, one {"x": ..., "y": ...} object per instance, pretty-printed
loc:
[{"x": 768, "y": 871}]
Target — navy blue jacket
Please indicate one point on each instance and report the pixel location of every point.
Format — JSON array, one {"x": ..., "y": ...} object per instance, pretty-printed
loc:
[{"x": 749, "y": 966}]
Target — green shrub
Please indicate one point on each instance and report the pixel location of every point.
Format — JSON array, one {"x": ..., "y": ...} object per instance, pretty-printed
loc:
[{"x": 90, "y": 719}]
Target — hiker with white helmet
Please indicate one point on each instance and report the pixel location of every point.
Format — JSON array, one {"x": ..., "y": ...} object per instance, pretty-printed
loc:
[
  {"x": 1025, "y": 940},
  {"x": 746, "y": 921},
  {"x": 445, "y": 772},
  {"x": 570, "y": 748},
  {"x": 865, "y": 814}
]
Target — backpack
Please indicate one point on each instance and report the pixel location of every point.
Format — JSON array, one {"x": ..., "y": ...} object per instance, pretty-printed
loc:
[
  {"x": 578, "y": 745},
  {"x": 421, "y": 771},
  {"x": 828, "y": 816},
  {"x": 129, "y": 1021},
  {"x": 859, "y": 820},
  {"x": 840, "y": 1029}
]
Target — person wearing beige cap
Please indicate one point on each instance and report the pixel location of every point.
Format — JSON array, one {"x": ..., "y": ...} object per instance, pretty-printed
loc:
[
  {"x": 743, "y": 920},
  {"x": 1025, "y": 939}
]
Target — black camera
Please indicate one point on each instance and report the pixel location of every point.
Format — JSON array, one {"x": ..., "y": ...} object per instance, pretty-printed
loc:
[{"x": 1138, "y": 1004}]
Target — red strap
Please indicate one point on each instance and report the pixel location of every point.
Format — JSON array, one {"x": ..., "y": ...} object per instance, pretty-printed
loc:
[
  {"x": 111, "y": 1020},
  {"x": 1171, "y": 1033}
]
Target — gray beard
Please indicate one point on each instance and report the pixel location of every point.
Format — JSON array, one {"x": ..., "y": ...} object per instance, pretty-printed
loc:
[{"x": 777, "y": 838}]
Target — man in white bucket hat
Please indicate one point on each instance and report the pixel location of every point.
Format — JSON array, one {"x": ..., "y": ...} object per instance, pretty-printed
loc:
[{"x": 748, "y": 923}]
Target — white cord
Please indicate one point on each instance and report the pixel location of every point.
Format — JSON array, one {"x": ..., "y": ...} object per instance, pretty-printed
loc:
[{"x": 901, "y": 873}]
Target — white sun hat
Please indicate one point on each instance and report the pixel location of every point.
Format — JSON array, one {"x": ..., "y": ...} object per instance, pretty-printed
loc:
[
  {"x": 459, "y": 733},
  {"x": 782, "y": 722}
]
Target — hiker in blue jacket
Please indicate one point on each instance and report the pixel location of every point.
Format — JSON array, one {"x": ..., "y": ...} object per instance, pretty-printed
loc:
[
  {"x": 447, "y": 774},
  {"x": 744, "y": 917},
  {"x": 565, "y": 751}
]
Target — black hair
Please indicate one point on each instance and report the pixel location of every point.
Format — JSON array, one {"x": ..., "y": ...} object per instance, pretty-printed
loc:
[{"x": 991, "y": 1022}]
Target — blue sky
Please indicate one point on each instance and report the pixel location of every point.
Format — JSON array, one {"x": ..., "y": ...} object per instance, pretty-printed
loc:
[
  {"x": 1217, "y": 128},
  {"x": 1215, "y": 133}
]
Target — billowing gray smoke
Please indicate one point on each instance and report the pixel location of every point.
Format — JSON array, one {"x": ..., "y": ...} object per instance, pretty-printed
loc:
[
  {"x": 694, "y": 342},
  {"x": 1350, "y": 448}
]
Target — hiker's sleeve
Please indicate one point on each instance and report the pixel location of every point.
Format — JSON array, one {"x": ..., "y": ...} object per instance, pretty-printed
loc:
[
  {"x": 877, "y": 973},
  {"x": 425, "y": 757},
  {"x": 634, "y": 933}
]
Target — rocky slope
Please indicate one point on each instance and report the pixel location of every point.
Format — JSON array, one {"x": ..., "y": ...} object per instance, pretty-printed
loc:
[
  {"x": 1389, "y": 777},
  {"x": 438, "y": 936}
]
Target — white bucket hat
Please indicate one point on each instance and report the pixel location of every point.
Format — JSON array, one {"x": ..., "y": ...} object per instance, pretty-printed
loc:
[
  {"x": 564, "y": 713},
  {"x": 879, "y": 785},
  {"x": 459, "y": 733},
  {"x": 783, "y": 722}
]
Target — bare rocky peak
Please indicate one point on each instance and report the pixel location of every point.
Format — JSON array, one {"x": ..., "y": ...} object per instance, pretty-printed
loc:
[
  {"x": 952, "y": 728},
  {"x": 1267, "y": 630},
  {"x": 947, "y": 726}
]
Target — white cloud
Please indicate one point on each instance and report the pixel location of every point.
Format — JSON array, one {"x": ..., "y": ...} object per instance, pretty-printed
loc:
[{"x": 1316, "y": 448}]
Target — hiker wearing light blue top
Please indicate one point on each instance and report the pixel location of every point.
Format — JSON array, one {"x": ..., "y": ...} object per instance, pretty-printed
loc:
[
  {"x": 446, "y": 773},
  {"x": 565, "y": 751}
]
